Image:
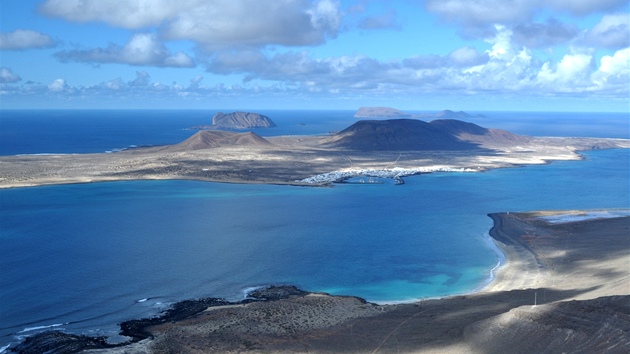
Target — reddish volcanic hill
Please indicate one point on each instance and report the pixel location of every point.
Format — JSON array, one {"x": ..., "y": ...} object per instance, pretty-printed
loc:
[{"x": 207, "y": 139}]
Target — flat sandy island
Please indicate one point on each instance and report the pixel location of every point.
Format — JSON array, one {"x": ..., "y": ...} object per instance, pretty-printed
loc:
[
  {"x": 565, "y": 287},
  {"x": 301, "y": 160}
]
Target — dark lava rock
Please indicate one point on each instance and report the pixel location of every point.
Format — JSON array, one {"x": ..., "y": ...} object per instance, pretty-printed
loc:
[{"x": 55, "y": 342}]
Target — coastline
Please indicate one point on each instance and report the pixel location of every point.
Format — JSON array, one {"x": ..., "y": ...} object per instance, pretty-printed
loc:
[
  {"x": 285, "y": 161},
  {"x": 544, "y": 286}
]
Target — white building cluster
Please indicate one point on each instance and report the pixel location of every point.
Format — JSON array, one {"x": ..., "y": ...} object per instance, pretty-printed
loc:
[{"x": 396, "y": 172}]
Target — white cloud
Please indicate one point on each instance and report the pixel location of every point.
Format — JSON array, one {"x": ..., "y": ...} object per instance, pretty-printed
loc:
[
  {"x": 132, "y": 14},
  {"x": 143, "y": 50},
  {"x": 7, "y": 76},
  {"x": 585, "y": 7},
  {"x": 253, "y": 23},
  {"x": 478, "y": 18},
  {"x": 116, "y": 84},
  {"x": 59, "y": 85},
  {"x": 614, "y": 71},
  {"x": 213, "y": 23},
  {"x": 483, "y": 12},
  {"x": 490, "y": 12},
  {"x": 570, "y": 74},
  {"x": 540, "y": 35},
  {"x": 613, "y": 31},
  {"x": 506, "y": 67},
  {"x": 24, "y": 39},
  {"x": 142, "y": 79},
  {"x": 467, "y": 57}
]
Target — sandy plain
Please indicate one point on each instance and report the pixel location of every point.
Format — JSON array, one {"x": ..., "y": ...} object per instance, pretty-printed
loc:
[
  {"x": 564, "y": 288},
  {"x": 287, "y": 160}
]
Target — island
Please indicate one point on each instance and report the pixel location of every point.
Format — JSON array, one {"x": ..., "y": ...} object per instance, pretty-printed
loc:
[
  {"x": 562, "y": 288},
  {"x": 448, "y": 114},
  {"x": 393, "y": 148},
  {"x": 388, "y": 113},
  {"x": 238, "y": 121},
  {"x": 380, "y": 112}
]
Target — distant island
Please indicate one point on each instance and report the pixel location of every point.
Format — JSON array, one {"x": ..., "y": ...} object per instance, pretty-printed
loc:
[
  {"x": 388, "y": 112},
  {"x": 238, "y": 120},
  {"x": 380, "y": 112},
  {"x": 393, "y": 148},
  {"x": 454, "y": 115}
]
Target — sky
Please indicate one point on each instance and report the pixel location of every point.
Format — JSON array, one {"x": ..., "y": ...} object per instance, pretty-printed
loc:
[{"x": 423, "y": 55}]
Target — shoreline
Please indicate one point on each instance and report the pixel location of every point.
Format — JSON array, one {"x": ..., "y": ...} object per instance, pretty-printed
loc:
[
  {"x": 285, "y": 161},
  {"x": 540, "y": 268}
]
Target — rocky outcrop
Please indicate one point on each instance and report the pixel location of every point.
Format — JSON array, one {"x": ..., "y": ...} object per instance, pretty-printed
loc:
[
  {"x": 380, "y": 112},
  {"x": 241, "y": 120}
]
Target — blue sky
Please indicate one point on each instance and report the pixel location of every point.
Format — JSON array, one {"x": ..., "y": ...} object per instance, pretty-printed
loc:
[{"x": 483, "y": 55}]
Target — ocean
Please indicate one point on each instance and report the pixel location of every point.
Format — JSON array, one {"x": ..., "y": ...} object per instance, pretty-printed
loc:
[{"x": 83, "y": 258}]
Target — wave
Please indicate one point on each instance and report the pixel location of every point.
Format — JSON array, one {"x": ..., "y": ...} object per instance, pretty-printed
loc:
[
  {"x": 125, "y": 148},
  {"x": 47, "y": 154},
  {"x": 37, "y": 328},
  {"x": 245, "y": 292}
]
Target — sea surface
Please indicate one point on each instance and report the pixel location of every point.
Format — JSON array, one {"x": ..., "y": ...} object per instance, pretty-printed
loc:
[{"x": 83, "y": 258}]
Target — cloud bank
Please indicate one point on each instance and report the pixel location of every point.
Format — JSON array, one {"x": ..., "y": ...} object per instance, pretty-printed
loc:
[
  {"x": 24, "y": 39},
  {"x": 142, "y": 50},
  {"x": 520, "y": 47},
  {"x": 213, "y": 23}
]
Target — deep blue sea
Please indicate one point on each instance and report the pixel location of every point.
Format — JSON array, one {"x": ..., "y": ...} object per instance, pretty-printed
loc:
[{"x": 85, "y": 257}]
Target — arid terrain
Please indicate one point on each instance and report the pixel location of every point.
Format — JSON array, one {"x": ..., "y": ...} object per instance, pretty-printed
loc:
[{"x": 394, "y": 148}]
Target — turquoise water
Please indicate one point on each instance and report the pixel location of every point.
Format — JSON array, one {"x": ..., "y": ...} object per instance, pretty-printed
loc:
[{"x": 86, "y": 257}]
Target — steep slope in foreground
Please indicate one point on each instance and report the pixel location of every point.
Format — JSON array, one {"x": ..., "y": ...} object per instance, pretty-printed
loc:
[
  {"x": 208, "y": 139},
  {"x": 413, "y": 134},
  {"x": 599, "y": 325}
]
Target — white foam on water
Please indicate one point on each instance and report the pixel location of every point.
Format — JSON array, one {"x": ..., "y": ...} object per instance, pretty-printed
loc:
[{"x": 37, "y": 328}]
